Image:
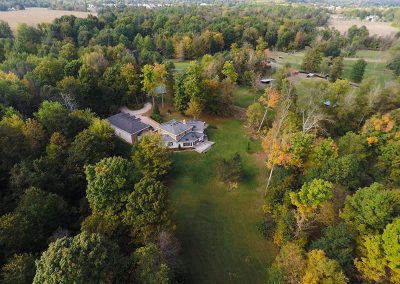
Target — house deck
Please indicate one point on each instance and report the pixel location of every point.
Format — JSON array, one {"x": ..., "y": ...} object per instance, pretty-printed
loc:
[{"x": 203, "y": 147}]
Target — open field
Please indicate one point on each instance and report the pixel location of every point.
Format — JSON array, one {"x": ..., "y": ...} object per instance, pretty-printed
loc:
[
  {"x": 34, "y": 16},
  {"x": 376, "y": 60},
  {"x": 217, "y": 227},
  {"x": 375, "y": 28}
]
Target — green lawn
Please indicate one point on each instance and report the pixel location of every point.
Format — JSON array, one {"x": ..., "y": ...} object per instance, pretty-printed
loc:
[
  {"x": 376, "y": 60},
  {"x": 244, "y": 97},
  {"x": 217, "y": 227},
  {"x": 373, "y": 54},
  {"x": 373, "y": 70},
  {"x": 180, "y": 66}
]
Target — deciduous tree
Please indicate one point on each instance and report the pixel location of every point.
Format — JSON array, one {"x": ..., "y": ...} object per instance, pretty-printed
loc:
[
  {"x": 147, "y": 210},
  {"x": 85, "y": 258},
  {"x": 151, "y": 157},
  {"x": 229, "y": 71},
  {"x": 310, "y": 198},
  {"x": 321, "y": 269},
  {"x": 20, "y": 269},
  {"x": 368, "y": 210},
  {"x": 194, "y": 108},
  {"x": 110, "y": 181}
]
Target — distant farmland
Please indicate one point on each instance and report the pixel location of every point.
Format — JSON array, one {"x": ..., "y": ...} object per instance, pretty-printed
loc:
[
  {"x": 34, "y": 16},
  {"x": 375, "y": 28}
]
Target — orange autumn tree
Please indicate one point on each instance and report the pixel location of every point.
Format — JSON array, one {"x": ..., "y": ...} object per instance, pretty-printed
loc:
[
  {"x": 285, "y": 145},
  {"x": 270, "y": 99},
  {"x": 382, "y": 132},
  {"x": 288, "y": 149},
  {"x": 379, "y": 129}
]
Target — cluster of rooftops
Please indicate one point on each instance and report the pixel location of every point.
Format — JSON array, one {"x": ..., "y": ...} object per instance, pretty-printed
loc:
[{"x": 175, "y": 133}]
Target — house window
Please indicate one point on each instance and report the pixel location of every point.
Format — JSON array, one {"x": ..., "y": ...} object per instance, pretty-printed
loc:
[
  {"x": 170, "y": 144},
  {"x": 187, "y": 144}
]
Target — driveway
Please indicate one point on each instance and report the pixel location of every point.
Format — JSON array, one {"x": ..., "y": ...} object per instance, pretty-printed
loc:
[
  {"x": 146, "y": 108},
  {"x": 140, "y": 113}
]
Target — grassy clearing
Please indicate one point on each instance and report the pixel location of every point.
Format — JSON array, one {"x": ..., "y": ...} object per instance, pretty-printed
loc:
[
  {"x": 376, "y": 60},
  {"x": 370, "y": 55},
  {"x": 243, "y": 97},
  {"x": 373, "y": 70},
  {"x": 180, "y": 66},
  {"x": 217, "y": 228}
]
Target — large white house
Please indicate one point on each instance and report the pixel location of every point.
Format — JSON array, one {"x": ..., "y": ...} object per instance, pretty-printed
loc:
[
  {"x": 128, "y": 127},
  {"x": 183, "y": 134}
]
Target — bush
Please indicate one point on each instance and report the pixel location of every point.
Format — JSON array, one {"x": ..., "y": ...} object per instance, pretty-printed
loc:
[
  {"x": 156, "y": 117},
  {"x": 230, "y": 170},
  {"x": 156, "y": 114},
  {"x": 266, "y": 227}
]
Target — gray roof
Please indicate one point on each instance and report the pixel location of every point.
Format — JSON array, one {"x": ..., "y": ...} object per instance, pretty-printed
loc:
[
  {"x": 198, "y": 125},
  {"x": 128, "y": 123},
  {"x": 167, "y": 138},
  {"x": 175, "y": 127},
  {"x": 190, "y": 137},
  {"x": 161, "y": 89}
]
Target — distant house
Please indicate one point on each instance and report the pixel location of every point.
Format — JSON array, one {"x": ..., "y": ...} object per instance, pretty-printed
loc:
[
  {"x": 372, "y": 18},
  {"x": 128, "y": 127},
  {"x": 183, "y": 134}
]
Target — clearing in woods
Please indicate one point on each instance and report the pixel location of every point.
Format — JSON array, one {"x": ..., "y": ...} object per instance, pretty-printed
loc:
[
  {"x": 218, "y": 227},
  {"x": 34, "y": 16},
  {"x": 376, "y": 68}
]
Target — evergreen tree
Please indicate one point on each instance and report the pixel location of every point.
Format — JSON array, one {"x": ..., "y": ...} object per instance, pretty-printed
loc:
[{"x": 357, "y": 72}]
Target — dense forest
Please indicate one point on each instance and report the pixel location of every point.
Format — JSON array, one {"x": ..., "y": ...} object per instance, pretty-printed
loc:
[{"x": 78, "y": 205}]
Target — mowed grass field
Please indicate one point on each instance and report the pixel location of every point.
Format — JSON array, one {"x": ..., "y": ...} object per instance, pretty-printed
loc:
[
  {"x": 217, "y": 227},
  {"x": 243, "y": 97},
  {"x": 34, "y": 16},
  {"x": 376, "y": 68}
]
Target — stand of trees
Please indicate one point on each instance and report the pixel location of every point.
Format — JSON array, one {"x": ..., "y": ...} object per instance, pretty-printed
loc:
[
  {"x": 63, "y": 174},
  {"x": 70, "y": 193},
  {"x": 332, "y": 198}
]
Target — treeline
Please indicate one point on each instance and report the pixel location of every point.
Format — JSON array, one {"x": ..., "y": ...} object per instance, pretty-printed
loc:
[
  {"x": 332, "y": 197},
  {"x": 69, "y": 186},
  {"x": 97, "y": 63},
  {"x": 365, "y": 3},
  {"x": 21, "y": 4},
  {"x": 356, "y": 38},
  {"x": 66, "y": 183}
]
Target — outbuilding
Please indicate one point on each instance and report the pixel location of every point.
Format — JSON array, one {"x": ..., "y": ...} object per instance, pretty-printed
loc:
[{"x": 128, "y": 127}]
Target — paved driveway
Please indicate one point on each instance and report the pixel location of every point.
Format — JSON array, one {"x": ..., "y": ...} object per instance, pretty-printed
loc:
[
  {"x": 140, "y": 114},
  {"x": 146, "y": 108}
]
